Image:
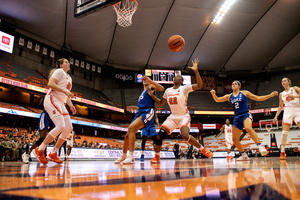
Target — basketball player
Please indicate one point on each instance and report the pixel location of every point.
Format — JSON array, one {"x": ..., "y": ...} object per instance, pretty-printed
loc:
[
  {"x": 60, "y": 84},
  {"x": 227, "y": 128},
  {"x": 176, "y": 97},
  {"x": 144, "y": 118},
  {"x": 290, "y": 98},
  {"x": 148, "y": 131},
  {"x": 70, "y": 142},
  {"x": 242, "y": 118},
  {"x": 45, "y": 124}
]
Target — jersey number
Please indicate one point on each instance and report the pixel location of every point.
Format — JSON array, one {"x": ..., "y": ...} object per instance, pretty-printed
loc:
[
  {"x": 69, "y": 86},
  {"x": 289, "y": 99},
  {"x": 173, "y": 100},
  {"x": 236, "y": 105}
]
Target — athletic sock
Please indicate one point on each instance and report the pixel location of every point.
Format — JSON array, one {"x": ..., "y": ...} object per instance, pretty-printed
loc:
[
  {"x": 54, "y": 150},
  {"x": 131, "y": 153},
  {"x": 42, "y": 147},
  {"x": 201, "y": 147}
]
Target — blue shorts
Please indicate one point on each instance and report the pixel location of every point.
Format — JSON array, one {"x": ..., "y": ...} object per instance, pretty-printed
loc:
[
  {"x": 149, "y": 131},
  {"x": 45, "y": 122},
  {"x": 239, "y": 120},
  {"x": 148, "y": 116}
]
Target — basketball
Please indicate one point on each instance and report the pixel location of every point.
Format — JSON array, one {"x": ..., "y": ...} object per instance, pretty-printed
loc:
[{"x": 176, "y": 43}]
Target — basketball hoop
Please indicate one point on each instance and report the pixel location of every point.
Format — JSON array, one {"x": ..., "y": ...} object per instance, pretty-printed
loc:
[
  {"x": 124, "y": 11},
  {"x": 269, "y": 129}
]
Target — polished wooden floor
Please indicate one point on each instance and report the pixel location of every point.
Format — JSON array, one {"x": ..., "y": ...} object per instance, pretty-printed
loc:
[{"x": 260, "y": 178}]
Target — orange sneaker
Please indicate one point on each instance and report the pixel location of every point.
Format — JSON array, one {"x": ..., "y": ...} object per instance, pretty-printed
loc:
[
  {"x": 231, "y": 157},
  {"x": 40, "y": 156},
  {"x": 53, "y": 157},
  {"x": 155, "y": 160},
  {"x": 207, "y": 153},
  {"x": 68, "y": 159},
  {"x": 227, "y": 157},
  {"x": 282, "y": 156}
]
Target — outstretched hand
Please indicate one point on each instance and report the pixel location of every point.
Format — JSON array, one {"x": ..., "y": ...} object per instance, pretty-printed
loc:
[
  {"x": 195, "y": 64},
  {"x": 213, "y": 92},
  {"x": 146, "y": 79}
]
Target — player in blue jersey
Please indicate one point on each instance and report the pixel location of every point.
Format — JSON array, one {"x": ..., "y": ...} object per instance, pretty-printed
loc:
[
  {"x": 243, "y": 118},
  {"x": 45, "y": 125},
  {"x": 145, "y": 117}
]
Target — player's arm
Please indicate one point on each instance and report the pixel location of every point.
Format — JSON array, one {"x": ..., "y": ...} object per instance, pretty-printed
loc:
[
  {"x": 52, "y": 83},
  {"x": 219, "y": 99},
  {"x": 279, "y": 109},
  {"x": 153, "y": 85},
  {"x": 156, "y": 120},
  {"x": 71, "y": 106},
  {"x": 259, "y": 98},
  {"x": 160, "y": 102},
  {"x": 199, "y": 84},
  {"x": 297, "y": 89},
  {"x": 222, "y": 130}
]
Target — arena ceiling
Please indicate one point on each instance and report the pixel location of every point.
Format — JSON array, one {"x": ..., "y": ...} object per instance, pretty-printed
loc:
[{"x": 253, "y": 35}]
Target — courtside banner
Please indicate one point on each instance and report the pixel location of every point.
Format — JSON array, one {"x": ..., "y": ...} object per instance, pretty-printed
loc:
[
  {"x": 89, "y": 153},
  {"x": 45, "y": 90}
]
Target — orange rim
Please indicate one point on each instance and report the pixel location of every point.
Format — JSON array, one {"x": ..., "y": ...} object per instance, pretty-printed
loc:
[{"x": 118, "y": 10}]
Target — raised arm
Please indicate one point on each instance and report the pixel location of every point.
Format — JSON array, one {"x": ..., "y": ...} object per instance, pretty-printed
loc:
[
  {"x": 153, "y": 85},
  {"x": 222, "y": 130},
  {"x": 219, "y": 99},
  {"x": 279, "y": 109},
  {"x": 199, "y": 84},
  {"x": 259, "y": 98}
]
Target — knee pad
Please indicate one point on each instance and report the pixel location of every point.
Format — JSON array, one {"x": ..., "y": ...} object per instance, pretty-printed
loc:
[
  {"x": 39, "y": 142},
  {"x": 284, "y": 136},
  {"x": 160, "y": 136}
]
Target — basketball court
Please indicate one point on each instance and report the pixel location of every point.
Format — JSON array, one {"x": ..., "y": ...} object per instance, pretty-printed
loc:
[{"x": 260, "y": 178}]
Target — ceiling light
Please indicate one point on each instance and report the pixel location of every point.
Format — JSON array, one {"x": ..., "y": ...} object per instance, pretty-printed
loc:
[{"x": 223, "y": 10}]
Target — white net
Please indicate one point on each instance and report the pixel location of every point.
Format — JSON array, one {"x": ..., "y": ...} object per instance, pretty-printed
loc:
[{"x": 125, "y": 10}]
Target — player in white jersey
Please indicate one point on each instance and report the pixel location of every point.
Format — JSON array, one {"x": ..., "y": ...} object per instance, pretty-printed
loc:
[
  {"x": 290, "y": 98},
  {"x": 227, "y": 128},
  {"x": 176, "y": 97},
  {"x": 60, "y": 84},
  {"x": 70, "y": 142}
]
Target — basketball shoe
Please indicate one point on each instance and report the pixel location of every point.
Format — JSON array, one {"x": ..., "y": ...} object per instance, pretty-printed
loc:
[
  {"x": 121, "y": 159},
  {"x": 142, "y": 158},
  {"x": 244, "y": 157},
  {"x": 282, "y": 156},
  {"x": 53, "y": 157},
  {"x": 207, "y": 153},
  {"x": 25, "y": 158},
  {"x": 40, "y": 156},
  {"x": 155, "y": 160},
  {"x": 263, "y": 150},
  {"x": 129, "y": 160}
]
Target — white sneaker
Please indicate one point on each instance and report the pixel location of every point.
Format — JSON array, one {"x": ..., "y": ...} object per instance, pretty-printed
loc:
[
  {"x": 129, "y": 160},
  {"x": 25, "y": 158},
  {"x": 243, "y": 158},
  {"x": 263, "y": 150},
  {"x": 121, "y": 159}
]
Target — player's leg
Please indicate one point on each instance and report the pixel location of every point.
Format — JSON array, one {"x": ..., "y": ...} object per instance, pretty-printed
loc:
[
  {"x": 185, "y": 134},
  {"x": 68, "y": 152},
  {"x": 144, "y": 139},
  {"x": 163, "y": 132},
  {"x": 235, "y": 137},
  {"x": 61, "y": 139},
  {"x": 249, "y": 129}
]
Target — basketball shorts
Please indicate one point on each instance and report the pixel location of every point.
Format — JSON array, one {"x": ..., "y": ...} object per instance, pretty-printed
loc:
[
  {"x": 239, "y": 120},
  {"x": 149, "y": 131},
  {"x": 291, "y": 114},
  {"x": 45, "y": 122},
  {"x": 175, "y": 121},
  {"x": 148, "y": 116},
  {"x": 54, "y": 106},
  {"x": 228, "y": 140}
]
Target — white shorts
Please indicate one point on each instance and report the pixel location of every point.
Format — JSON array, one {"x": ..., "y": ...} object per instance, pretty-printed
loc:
[
  {"x": 175, "y": 121},
  {"x": 228, "y": 140},
  {"x": 291, "y": 114},
  {"x": 54, "y": 106}
]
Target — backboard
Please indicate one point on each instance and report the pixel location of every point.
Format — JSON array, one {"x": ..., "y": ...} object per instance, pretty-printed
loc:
[{"x": 85, "y": 7}]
